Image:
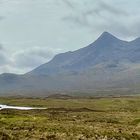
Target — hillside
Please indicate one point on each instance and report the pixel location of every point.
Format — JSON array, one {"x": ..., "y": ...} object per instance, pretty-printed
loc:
[{"x": 106, "y": 65}]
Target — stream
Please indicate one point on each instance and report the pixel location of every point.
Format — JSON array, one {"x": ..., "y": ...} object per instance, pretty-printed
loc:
[{"x": 18, "y": 107}]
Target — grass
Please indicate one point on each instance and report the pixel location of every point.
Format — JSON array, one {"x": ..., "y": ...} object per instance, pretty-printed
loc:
[{"x": 72, "y": 119}]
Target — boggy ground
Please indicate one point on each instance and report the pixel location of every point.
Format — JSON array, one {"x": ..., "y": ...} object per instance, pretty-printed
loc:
[{"x": 72, "y": 119}]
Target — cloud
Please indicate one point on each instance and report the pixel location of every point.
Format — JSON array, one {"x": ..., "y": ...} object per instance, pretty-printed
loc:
[
  {"x": 2, "y": 17},
  {"x": 104, "y": 6},
  {"x": 3, "y": 56},
  {"x": 1, "y": 47},
  {"x": 86, "y": 16},
  {"x": 23, "y": 60},
  {"x": 3, "y": 59},
  {"x": 33, "y": 57},
  {"x": 101, "y": 15},
  {"x": 69, "y": 4}
]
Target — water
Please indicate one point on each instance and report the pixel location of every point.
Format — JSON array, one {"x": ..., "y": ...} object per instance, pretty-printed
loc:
[{"x": 18, "y": 107}]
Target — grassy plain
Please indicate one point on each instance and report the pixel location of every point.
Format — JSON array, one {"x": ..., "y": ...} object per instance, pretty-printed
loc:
[{"x": 72, "y": 119}]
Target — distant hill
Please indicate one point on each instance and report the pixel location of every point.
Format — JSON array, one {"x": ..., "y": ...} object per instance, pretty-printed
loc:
[{"x": 107, "y": 66}]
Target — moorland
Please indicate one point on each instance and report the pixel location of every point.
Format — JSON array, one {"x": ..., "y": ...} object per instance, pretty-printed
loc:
[{"x": 108, "y": 118}]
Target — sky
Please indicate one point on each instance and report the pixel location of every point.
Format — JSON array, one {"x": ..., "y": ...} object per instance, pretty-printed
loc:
[{"x": 32, "y": 32}]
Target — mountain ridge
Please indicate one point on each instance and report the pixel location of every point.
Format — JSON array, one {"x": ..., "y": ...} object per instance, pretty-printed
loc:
[
  {"x": 107, "y": 64},
  {"x": 103, "y": 44}
]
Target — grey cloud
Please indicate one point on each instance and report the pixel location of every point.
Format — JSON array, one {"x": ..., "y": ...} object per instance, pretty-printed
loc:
[
  {"x": 3, "y": 56},
  {"x": 135, "y": 32},
  {"x": 1, "y": 47},
  {"x": 2, "y": 17},
  {"x": 98, "y": 9},
  {"x": 69, "y": 4},
  {"x": 25, "y": 59},
  {"x": 79, "y": 20},
  {"x": 105, "y": 16},
  {"x": 3, "y": 59},
  {"x": 33, "y": 57},
  {"x": 103, "y": 6}
]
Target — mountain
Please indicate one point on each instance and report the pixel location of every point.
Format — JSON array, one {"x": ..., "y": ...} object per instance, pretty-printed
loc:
[
  {"x": 108, "y": 65},
  {"x": 80, "y": 59},
  {"x": 106, "y": 49}
]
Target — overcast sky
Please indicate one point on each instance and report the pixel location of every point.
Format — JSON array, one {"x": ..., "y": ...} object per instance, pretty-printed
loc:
[{"x": 33, "y": 31}]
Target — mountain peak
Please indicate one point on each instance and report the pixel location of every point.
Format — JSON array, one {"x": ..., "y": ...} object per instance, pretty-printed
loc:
[
  {"x": 105, "y": 35},
  {"x": 106, "y": 38}
]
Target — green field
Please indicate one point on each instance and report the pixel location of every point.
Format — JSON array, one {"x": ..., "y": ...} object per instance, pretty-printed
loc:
[{"x": 72, "y": 119}]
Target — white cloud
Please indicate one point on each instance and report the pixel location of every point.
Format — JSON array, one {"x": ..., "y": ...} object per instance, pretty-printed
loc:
[
  {"x": 33, "y": 57},
  {"x": 25, "y": 60}
]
